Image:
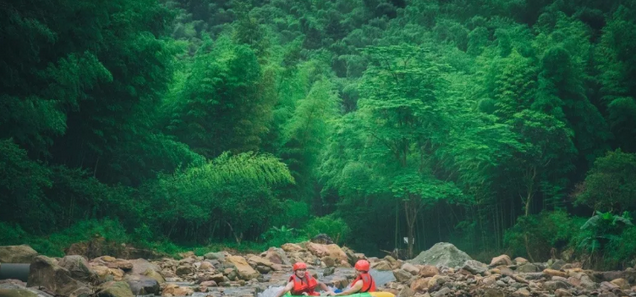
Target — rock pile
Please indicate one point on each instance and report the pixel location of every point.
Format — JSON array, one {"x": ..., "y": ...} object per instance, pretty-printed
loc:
[{"x": 441, "y": 271}]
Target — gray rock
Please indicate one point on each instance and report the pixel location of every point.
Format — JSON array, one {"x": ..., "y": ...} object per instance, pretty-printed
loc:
[
  {"x": 78, "y": 267},
  {"x": 402, "y": 275},
  {"x": 8, "y": 287},
  {"x": 443, "y": 292},
  {"x": 115, "y": 289},
  {"x": 17, "y": 254},
  {"x": 554, "y": 285},
  {"x": 215, "y": 256},
  {"x": 406, "y": 292},
  {"x": 143, "y": 285},
  {"x": 442, "y": 254},
  {"x": 557, "y": 264},
  {"x": 475, "y": 267},
  {"x": 528, "y": 267},
  {"x": 328, "y": 271},
  {"x": 47, "y": 273}
]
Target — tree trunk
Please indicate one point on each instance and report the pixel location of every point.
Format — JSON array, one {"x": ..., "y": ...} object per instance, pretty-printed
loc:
[{"x": 411, "y": 208}]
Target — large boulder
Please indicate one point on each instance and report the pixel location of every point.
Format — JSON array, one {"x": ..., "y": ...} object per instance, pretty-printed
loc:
[
  {"x": 45, "y": 272},
  {"x": 142, "y": 285},
  {"x": 242, "y": 268},
  {"x": 475, "y": 267},
  {"x": 140, "y": 266},
  {"x": 78, "y": 267},
  {"x": 330, "y": 250},
  {"x": 17, "y": 254},
  {"x": 442, "y": 254},
  {"x": 276, "y": 256}
]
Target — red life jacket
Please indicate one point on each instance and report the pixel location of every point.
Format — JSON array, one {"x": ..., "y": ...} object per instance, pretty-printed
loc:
[
  {"x": 304, "y": 285},
  {"x": 368, "y": 284}
]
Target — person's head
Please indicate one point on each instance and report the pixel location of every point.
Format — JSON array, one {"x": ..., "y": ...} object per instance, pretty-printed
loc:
[
  {"x": 300, "y": 269},
  {"x": 362, "y": 266}
]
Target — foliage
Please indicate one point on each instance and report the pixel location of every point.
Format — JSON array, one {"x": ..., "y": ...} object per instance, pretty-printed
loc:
[
  {"x": 232, "y": 192},
  {"x": 553, "y": 229},
  {"x": 336, "y": 228},
  {"x": 195, "y": 124},
  {"x": 600, "y": 233},
  {"x": 54, "y": 244},
  {"x": 611, "y": 183},
  {"x": 276, "y": 237}
]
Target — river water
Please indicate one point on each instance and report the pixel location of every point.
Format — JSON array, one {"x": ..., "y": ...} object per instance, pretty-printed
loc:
[{"x": 276, "y": 280}]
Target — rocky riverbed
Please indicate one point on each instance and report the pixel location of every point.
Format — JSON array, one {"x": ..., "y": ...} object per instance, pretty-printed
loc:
[{"x": 441, "y": 271}]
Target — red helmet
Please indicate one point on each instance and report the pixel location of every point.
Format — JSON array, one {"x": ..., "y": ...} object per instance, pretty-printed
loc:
[
  {"x": 299, "y": 265},
  {"x": 362, "y": 265}
]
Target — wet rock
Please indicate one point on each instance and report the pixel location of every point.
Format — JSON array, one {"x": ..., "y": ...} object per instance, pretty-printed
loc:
[{"x": 328, "y": 271}]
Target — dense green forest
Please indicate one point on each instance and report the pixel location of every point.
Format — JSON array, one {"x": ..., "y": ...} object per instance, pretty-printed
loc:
[{"x": 497, "y": 125}]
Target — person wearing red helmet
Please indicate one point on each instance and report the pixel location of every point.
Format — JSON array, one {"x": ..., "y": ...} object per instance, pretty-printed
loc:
[
  {"x": 302, "y": 283},
  {"x": 363, "y": 283}
]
